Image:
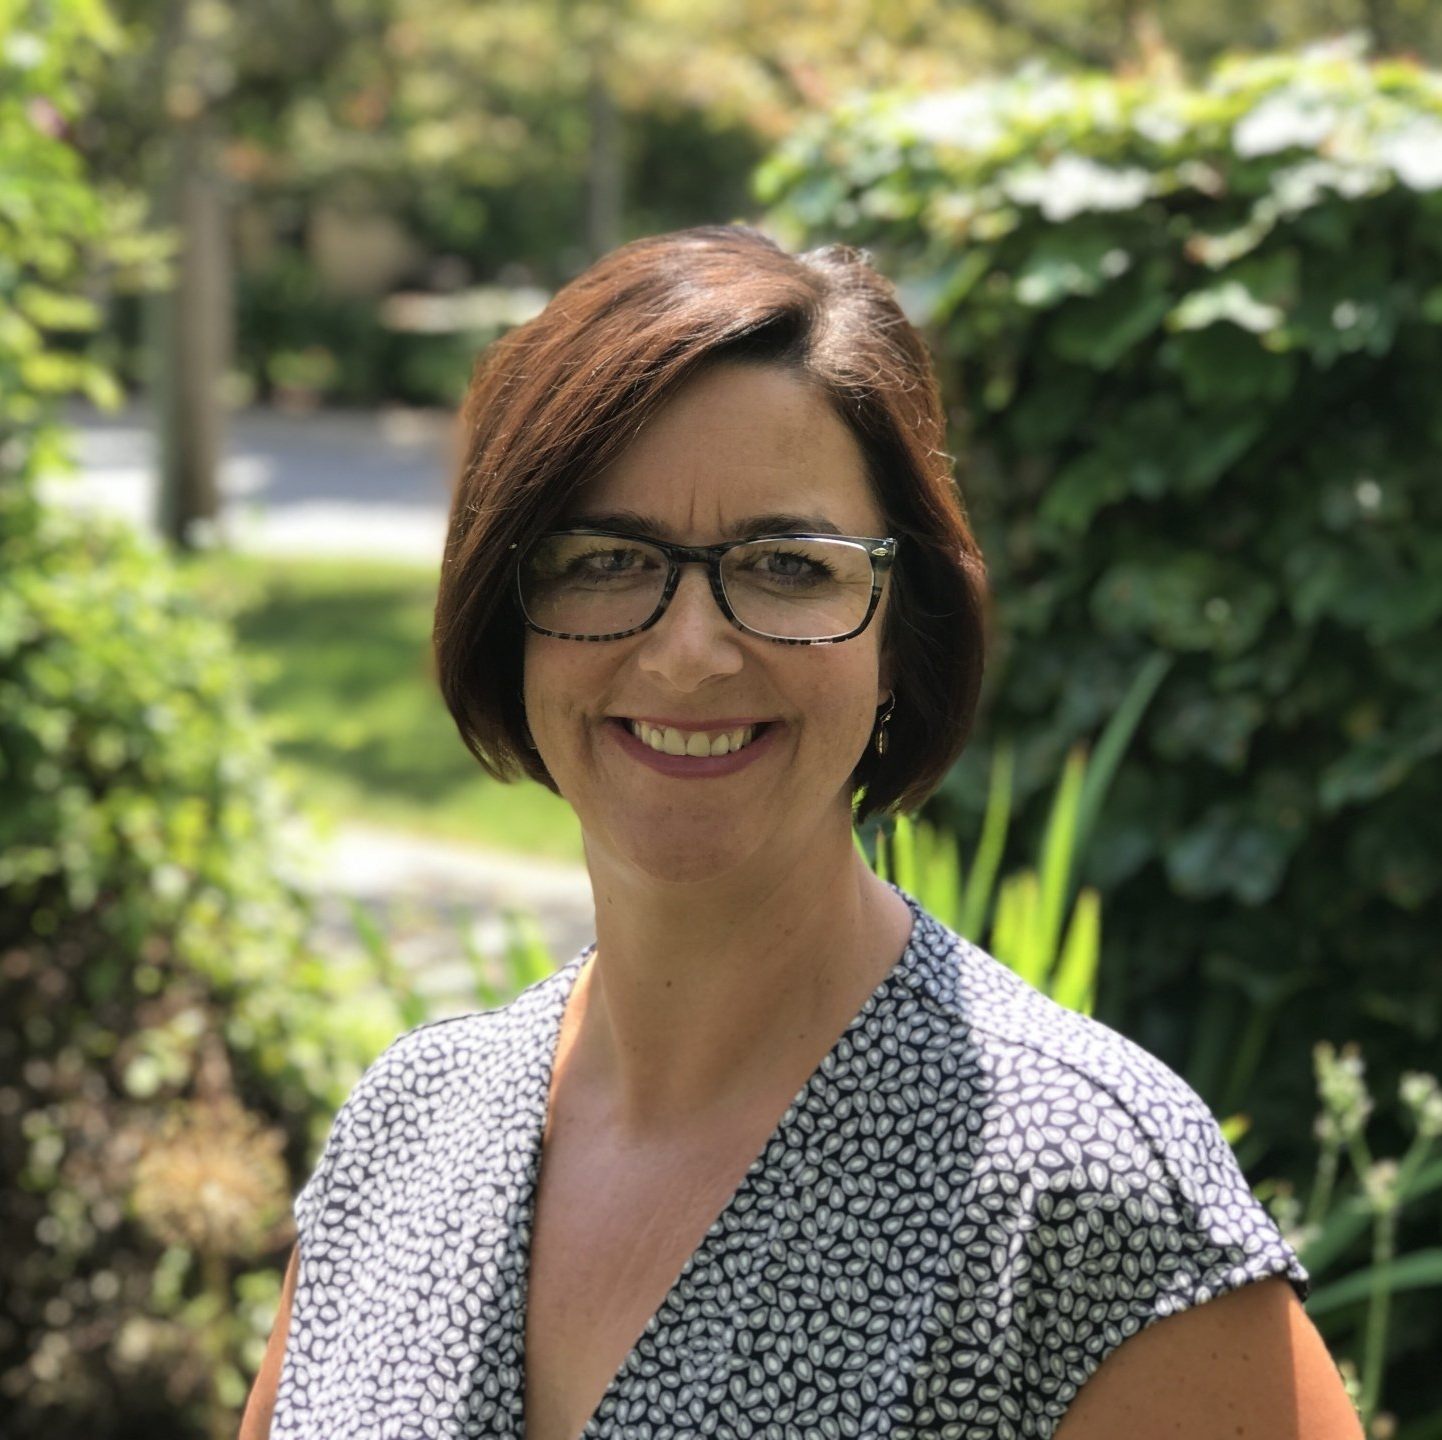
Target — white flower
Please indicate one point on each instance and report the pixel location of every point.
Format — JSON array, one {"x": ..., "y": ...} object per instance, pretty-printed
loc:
[
  {"x": 1281, "y": 122},
  {"x": 1415, "y": 153},
  {"x": 965, "y": 118},
  {"x": 1073, "y": 184}
]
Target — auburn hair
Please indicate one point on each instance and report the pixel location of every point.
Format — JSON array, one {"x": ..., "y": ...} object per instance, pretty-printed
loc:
[{"x": 555, "y": 401}]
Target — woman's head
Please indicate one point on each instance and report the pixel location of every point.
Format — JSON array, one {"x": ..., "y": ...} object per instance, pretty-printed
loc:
[{"x": 558, "y": 401}]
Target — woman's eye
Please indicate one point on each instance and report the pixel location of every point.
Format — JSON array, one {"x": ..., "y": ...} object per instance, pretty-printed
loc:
[
  {"x": 788, "y": 565},
  {"x": 779, "y": 564},
  {"x": 609, "y": 560}
]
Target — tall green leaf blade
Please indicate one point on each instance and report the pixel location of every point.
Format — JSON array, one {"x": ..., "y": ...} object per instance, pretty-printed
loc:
[
  {"x": 1015, "y": 933},
  {"x": 940, "y": 874},
  {"x": 1073, "y": 981},
  {"x": 977, "y": 895},
  {"x": 1058, "y": 858},
  {"x": 901, "y": 850},
  {"x": 1418, "y": 1271},
  {"x": 1004, "y": 940},
  {"x": 1113, "y": 743}
]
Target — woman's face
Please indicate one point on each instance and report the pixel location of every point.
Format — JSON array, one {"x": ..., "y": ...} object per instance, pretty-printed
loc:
[{"x": 739, "y": 450}]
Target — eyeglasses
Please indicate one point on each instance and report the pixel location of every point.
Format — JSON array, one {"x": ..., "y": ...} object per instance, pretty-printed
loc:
[{"x": 794, "y": 589}]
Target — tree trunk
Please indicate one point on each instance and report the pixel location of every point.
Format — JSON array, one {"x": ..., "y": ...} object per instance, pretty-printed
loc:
[
  {"x": 603, "y": 168},
  {"x": 1379, "y": 26},
  {"x": 193, "y": 320}
]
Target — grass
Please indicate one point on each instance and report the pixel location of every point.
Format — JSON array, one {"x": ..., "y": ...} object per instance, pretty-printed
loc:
[{"x": 340, "y": 653}]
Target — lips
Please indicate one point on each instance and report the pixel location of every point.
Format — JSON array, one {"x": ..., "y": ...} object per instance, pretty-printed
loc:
[{"x": 672, "y": 740}]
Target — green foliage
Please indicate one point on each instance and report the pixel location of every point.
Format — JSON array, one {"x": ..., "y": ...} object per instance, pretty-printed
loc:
[
  {"x": 173, "y": 1046},
  {"x": 1194, "y": 335},
  {"x": 170, "y": 1049},
  {"x": 159, "y": 983},
  {"x": 524, "y": 959},
  {"x": 294, "y": 340},
  {"x": 495, "y": 973},
  {"x": 1022, "y": 922},
  {"x": 63, "y": 239},
  {"x": 1327, "y": 1231},
  {"x": 1021, "y": 925},
  {"x": 51, "y": 221}
]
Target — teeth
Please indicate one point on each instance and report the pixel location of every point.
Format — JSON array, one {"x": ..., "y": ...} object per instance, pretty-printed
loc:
[{"x": 695, "y": 743}]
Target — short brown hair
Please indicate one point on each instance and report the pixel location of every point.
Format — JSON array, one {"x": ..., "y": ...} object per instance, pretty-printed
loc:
[{"x": 557, "y": 400}]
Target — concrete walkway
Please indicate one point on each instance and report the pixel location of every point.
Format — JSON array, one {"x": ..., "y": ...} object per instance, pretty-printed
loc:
[
  {"x": 332, "y": 483},
  {"x": 351, "y": 484},
  {"x": 434, "y": 901}
]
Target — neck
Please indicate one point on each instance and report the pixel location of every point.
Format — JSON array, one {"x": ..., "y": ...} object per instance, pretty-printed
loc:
[{"x": 702, "y": 994}]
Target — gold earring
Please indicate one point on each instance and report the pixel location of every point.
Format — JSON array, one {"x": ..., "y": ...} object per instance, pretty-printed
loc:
[{"x": 882, "y": 739}]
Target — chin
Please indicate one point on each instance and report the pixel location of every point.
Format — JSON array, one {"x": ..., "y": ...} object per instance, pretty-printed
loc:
[{"x": 696, "y": 848}]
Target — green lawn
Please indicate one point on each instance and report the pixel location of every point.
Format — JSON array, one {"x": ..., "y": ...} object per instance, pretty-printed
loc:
[{"x": 343, "y": 678}]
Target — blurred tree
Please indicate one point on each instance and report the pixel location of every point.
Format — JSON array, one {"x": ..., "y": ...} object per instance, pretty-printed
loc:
[
  {"x": 171, "y": 1050},
  {"x": 192, "y": 71},
  {"x": 192, "y": 320},
  {"x": 445, "y": 141}
]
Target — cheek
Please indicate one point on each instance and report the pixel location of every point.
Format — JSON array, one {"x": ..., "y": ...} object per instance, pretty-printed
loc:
[
  {"x": 847, "y": 702},
  {"x": 551, "y": 683}
]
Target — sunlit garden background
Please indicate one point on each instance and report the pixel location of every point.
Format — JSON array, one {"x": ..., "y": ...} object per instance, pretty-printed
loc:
[{"x": 1182, "y": 271}]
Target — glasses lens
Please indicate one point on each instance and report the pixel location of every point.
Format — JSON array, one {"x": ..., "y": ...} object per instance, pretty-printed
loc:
[
  {"x": 798, "y": 589},
  {"x": 591, "y": 584}
]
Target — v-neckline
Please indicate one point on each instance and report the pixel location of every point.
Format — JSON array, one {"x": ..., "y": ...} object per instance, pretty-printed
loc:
[{"x": 568, "y": 977}]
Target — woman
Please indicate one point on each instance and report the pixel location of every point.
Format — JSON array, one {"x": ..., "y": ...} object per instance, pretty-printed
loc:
[{"x": 780, "y": 1155}]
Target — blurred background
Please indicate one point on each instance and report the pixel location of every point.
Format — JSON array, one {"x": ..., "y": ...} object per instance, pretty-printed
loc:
[{"x": 1181, "y": 268}]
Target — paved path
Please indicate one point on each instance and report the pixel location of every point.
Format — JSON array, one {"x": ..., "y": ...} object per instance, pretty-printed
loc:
[
  {"x": 331, "y": 483},
  {"x": 351, "y": 484},
  {"x": 432, "y": 899}
]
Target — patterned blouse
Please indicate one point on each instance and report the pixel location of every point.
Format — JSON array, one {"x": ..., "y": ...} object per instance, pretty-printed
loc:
[{"x": 975, "y": 1198}]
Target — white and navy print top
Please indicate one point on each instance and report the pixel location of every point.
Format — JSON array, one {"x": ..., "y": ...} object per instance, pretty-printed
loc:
[{"x": 973, "y": 1201}]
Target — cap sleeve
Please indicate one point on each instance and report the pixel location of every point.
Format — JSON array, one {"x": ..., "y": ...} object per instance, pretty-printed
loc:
[{"x": 1152, "y": 1217}]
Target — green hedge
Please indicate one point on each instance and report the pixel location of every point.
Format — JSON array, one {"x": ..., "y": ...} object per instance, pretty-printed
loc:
[
  {"x": 171, "y": 1049},
  {"x": 1193, "y": 341}
]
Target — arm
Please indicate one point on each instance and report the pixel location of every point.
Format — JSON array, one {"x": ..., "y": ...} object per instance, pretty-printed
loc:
[
  {"x": 261, "y": 1406},
  {"x": 1248, "y": 1364}
]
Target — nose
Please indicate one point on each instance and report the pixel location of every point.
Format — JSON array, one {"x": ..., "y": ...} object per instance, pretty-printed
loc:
[{"x": 693, "y": 642}]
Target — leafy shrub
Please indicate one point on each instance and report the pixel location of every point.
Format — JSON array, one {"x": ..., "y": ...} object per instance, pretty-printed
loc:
[
  {"x": 1193, "y": 336},
  {"x": 172, "y": 1049},
  {"x": 1033, "y": 922},
  {"x": 169, "y": 1048},
  {"x": 1339, "y": 1210}
]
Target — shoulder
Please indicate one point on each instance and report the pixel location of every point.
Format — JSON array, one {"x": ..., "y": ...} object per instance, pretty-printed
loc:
[
  {"x": 445, "y": 1091},
  {"x": 1250, "y": 1361},
  {"x": 1029, "y": 1040},
  {"x": 1091, "y": 1122},
  {"x": 447, "y": 1059}
]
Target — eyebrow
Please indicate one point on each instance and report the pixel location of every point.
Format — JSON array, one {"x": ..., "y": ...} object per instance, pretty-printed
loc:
[{"x": 632, "y": 522}]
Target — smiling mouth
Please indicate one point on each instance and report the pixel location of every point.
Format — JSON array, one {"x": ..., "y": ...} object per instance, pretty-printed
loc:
[{"x": 695, "y": 743}]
